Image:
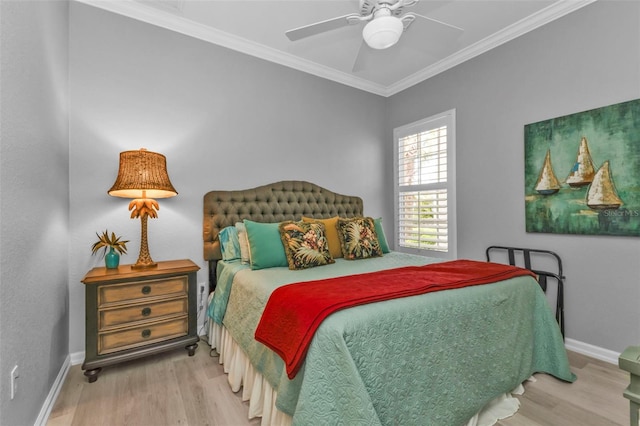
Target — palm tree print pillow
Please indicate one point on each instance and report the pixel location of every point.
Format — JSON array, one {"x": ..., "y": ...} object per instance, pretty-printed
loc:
[
  {"x": 358, "y": 238},
  {"x": 305, "y": 244}
]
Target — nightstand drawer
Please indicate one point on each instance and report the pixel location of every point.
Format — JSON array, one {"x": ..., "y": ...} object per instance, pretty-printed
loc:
[
  {"x": 142, "y": 312},
  {"x": 142, "y": 335},
  {"x": 142, "y": 289}
]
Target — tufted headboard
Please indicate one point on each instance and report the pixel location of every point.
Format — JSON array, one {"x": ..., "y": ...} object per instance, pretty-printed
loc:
[{"x": 285, "y": 200}]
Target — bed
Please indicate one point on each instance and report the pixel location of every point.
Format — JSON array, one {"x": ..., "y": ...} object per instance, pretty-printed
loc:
[{"x": 443, "y": 358}]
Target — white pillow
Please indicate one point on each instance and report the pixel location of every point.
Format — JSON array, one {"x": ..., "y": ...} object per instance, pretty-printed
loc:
[{"x": 245, "y": 254}]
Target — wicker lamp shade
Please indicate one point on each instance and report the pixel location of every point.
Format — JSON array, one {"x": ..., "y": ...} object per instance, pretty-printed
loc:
[{"x": 142, "y": 174}]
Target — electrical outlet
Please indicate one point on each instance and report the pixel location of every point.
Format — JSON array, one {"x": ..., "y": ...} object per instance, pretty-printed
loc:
[{"x": 14, "y": 381}]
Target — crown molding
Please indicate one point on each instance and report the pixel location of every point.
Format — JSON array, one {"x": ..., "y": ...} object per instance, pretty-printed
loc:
[
  {"x": 530, "y": 23},
  {"x": 170, "y": 21},
  {"x": 179, "y": 24}
]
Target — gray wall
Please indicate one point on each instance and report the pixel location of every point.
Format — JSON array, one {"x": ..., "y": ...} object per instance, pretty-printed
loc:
[
  {"x": 223, "y": 119},
  {"x": 588, "y": 59},
  {"x": 229, "y": 121},
  {"x": 34, "y": 203}
]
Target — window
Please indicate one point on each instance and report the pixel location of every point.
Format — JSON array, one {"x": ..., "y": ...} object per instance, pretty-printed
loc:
[{"x": 425, "y": 195}]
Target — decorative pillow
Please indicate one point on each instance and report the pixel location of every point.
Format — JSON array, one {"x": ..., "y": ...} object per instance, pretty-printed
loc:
[
  {"x": 331, "y": 232},
  {"x": 245, "y": 255},
  {"x": 229, "y": 243},
  {"x": 265, "y": 245},
  {"x": 381, "y": 237},
  {"x": 305, "y": 244},
  {"x": 358, "y": 238}
]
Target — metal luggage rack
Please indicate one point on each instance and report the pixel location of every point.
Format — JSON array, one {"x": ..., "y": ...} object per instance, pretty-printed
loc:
[{"x": 524, "y": 254}]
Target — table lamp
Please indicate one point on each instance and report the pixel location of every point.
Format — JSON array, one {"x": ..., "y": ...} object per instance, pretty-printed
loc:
[{"x": 143, "y": 176}]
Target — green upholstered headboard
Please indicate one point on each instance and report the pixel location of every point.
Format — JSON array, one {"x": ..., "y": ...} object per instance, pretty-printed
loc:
[{"x": 285, "y": 200}]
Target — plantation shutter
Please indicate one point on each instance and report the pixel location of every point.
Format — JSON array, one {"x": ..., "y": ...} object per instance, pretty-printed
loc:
[{"x": 423, "y": 187}]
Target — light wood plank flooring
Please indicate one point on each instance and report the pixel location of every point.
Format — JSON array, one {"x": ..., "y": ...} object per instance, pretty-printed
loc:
[{"x": 175, "y": 389}]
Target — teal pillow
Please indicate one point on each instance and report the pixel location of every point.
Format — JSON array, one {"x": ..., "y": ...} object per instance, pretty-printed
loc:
[
  {"x": 382, "y": 239},
  {"x": 265, "y": 245},
  {"x": 229, "y": 243}
]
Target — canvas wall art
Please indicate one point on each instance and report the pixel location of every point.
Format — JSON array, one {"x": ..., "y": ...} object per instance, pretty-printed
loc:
[{"x": 582, "y": 172}]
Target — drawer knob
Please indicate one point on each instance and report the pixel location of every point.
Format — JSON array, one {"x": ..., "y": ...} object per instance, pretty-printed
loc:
[
  {"x": 146, "y": 333},
  {"x": 146, "y": 312},
  {"x": 146, "y": 289}
]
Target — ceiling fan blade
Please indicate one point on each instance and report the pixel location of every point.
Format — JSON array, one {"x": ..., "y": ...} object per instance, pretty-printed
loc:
[
  {"x": 364, "y": 53},
  {"x": 453, "y": 27},
  {"x": 426, "y": 35},
  {"x": 402, "y": 3},
  {"x": 322, "y": 26}
]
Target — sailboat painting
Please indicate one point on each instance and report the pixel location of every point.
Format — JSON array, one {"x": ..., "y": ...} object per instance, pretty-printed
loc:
[
  {"x": 602, "y": 193},
  {"x": 547, "y": 181},
  {"x": 582, "y": 172}
]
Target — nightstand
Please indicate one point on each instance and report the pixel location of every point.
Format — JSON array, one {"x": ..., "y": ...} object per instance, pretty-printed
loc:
[
  {"x": 629, "y": 360},
  {"x": 132, "y": 313}
]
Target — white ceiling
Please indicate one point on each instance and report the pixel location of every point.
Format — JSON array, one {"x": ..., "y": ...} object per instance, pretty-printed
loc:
[{"x": 425, "y": 49}]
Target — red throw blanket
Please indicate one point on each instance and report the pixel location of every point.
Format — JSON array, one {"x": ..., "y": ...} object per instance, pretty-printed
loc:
[{"x": 295, "y": 311}]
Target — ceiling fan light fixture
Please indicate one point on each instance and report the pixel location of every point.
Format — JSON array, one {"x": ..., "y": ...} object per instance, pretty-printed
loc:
[{"x": 383, "y": 32}]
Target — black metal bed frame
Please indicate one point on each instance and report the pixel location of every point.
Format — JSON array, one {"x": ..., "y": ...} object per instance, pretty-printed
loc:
[{"x": 542, "y": 275}]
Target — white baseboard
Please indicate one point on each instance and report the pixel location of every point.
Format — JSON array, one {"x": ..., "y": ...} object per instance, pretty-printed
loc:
[
  {"x": 592, "y": 351},
  {"x": 77, "y": 358},
  {"x": 45, "y": 411}
]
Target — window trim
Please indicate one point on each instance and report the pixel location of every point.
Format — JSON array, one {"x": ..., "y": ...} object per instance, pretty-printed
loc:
[{"x": 447, "y": 118}]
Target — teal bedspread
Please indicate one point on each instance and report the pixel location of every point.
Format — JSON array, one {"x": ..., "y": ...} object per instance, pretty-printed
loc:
[{"x": 434, "y": 359}]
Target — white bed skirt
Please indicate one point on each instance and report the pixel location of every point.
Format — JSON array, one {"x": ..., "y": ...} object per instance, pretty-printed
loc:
[{"x": 262, "y": 397}]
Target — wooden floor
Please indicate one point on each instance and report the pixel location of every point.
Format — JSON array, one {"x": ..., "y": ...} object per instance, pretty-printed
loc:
[
  {"x": 595, "y": 399},
  {"x": 175, "y": 389}
]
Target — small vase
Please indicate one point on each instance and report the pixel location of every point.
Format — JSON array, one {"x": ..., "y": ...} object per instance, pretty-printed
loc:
[{"x": 112, "y": 259}]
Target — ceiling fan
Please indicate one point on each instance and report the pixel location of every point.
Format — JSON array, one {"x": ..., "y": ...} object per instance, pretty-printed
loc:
[{"x": 384, "y": 25}]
